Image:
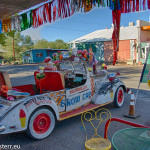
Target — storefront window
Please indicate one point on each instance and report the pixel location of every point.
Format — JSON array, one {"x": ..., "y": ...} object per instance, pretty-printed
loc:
[{"x": 39, "y": 54}]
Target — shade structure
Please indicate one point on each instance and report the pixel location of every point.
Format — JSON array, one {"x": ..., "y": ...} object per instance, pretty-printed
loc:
[
  {"x": 145, "y": 28},
  {"x": 11, "y": 7}
]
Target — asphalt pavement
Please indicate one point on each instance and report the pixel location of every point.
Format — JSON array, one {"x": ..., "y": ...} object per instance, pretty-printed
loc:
[{"x": 69, "y": 134}]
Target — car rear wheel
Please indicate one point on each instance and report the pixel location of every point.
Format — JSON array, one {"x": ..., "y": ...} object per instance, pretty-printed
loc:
[
  {"x": 119, "y": 97},
  {"x": 41, "y": 124}
]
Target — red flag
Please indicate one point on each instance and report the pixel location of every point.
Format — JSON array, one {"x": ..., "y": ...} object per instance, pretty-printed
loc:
[
  {"x": 115, "y": 36},
  {"x": 137, "y": 5},
  {"x": 148, "y": 2}
]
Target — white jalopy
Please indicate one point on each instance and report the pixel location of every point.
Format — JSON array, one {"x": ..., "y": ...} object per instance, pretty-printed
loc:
[{"x": 58, "y": 96}]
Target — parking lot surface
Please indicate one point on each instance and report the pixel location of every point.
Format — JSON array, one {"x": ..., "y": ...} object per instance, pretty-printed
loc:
[{"x": 69, "y": 134}]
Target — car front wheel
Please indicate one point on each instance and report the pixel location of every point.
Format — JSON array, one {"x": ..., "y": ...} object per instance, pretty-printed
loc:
[
  {"x": 119, "y": 97},
  {"x": 41, "y": 124}
]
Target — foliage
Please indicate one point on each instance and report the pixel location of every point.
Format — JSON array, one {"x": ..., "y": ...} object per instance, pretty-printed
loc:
[
  {"x": 11, "y": 33},
  {"x": 8, "y": 59},
  {"x": 21, "y": 43},
  {"x": 41, "y": 44},
  {"x": 2, "y": 39},
  {"x": 40, "y": 75},
  {"x": 58, "y": 44}
]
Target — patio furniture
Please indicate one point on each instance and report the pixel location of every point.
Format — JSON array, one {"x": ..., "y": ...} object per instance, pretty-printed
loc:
[
  {"x": 131, "y": 138},
  {"x": 96, "y": 142}
]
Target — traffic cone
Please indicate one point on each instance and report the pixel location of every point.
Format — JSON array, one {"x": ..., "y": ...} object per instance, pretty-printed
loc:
[
  {"x": 132, "y": 107},
  {"x": 129, "y": 91}
]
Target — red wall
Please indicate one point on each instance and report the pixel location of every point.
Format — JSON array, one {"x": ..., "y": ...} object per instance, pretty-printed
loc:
[
  {"x": 123, "y": 53},
  {"x": 124, "y": 50}
]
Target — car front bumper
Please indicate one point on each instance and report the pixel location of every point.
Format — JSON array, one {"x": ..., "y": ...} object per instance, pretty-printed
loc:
[{"x": 2, "y": 128}]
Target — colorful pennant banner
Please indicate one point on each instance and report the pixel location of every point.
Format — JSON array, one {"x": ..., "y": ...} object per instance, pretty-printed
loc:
[
  {"x": 6, "y": 25},
  {"x": 59, "y": 9}
]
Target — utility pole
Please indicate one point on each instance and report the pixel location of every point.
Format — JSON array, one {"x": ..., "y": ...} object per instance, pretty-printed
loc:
[{"x": 13, "y": 49}]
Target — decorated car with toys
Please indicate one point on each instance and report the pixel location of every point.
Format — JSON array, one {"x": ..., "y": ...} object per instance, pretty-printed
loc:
[{"x": 62, "y": 91}]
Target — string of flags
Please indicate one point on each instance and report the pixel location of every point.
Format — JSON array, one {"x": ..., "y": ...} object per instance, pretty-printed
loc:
[{"x": 60, "y": 9}]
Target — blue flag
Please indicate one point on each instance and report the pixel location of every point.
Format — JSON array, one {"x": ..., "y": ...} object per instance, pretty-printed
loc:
[{"x": 0, "y": 26}]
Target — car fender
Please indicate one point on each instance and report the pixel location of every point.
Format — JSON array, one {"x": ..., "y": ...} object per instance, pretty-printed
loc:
[
  {"x": 105, "y": 92},
  {"x": 116, "y": 85},
  {"x": 17, "y": 119}
]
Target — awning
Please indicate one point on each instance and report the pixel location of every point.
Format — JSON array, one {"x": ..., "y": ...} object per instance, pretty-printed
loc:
[
  {"x": 11, "y": 7},
  {"x": 145, "y": 28}
]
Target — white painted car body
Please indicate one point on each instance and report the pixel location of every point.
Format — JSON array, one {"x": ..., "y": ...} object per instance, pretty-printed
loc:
[{"x": 58, "y": 101}]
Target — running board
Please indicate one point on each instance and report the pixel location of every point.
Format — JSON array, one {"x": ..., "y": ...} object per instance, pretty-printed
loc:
[{"x": 81, "y": 110}]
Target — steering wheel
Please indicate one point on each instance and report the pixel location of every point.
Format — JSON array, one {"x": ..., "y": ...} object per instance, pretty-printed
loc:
[{"x": 67, "y": 73}]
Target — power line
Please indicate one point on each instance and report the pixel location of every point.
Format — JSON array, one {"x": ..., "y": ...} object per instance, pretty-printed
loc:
[
  {"x": 66, "y": 29},
  {"x": 84, "y": 22}
]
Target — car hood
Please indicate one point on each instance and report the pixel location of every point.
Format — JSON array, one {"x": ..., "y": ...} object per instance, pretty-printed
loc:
[{"x": 6, "y": 105}]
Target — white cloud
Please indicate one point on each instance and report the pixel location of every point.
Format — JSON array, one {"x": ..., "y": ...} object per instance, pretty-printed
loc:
[{"x": 33, "y": 33}]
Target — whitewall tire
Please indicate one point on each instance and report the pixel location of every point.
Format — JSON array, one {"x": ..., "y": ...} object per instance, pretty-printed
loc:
[
  {"x": 119, "y": 97},
  {"x": 41, "y": 124}
]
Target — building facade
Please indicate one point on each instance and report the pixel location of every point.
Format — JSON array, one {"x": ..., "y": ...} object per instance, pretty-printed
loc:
[
  {"x": 38, "y": 55},
  {"x": 132, "y": 45}
]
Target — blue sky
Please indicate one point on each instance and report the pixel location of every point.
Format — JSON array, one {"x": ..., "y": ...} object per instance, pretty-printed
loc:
[{"x": 81, "y": 24}]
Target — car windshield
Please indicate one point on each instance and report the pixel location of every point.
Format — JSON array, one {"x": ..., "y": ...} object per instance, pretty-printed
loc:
[
  {"x": 66, "y": 66},
  {"x": 79, "y": 66}
]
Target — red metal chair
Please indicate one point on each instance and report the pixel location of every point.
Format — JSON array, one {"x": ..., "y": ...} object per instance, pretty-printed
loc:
[{"x": 121, "y": 121}]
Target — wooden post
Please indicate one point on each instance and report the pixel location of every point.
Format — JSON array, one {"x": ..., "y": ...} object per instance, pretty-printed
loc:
[{"x": 13, "y": 49}]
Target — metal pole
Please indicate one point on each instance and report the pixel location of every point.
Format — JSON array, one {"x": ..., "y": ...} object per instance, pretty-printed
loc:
[
  {"x": 142, "y": 74},
  {"x": 138, "y": 40}
]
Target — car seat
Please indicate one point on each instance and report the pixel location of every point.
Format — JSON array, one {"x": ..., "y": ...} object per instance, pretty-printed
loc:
[{"x": 53, "y": 81}]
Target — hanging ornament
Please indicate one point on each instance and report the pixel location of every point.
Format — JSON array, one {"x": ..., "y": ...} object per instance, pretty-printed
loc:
[
  {"x": 39, "y": 16},
  {"x": 24, "y": 22},
  {"x": 137, "y": 5},
  {"x": 60, "y": 57},
  {"x": 54, "y": 13},
  {"x": 144, "y": 3},
  {"x": 34, "y": 18},
  {"x": 6, "y": 25},
  {"x": 16, "y": 23},
  {"x": 148, "y": 3}
]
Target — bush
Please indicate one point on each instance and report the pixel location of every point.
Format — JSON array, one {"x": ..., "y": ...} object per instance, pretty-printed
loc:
[{"x": 8, "y": 59}]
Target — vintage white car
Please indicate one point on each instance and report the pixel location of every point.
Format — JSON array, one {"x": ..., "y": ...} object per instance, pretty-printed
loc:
[{"x": 58, "y": 96}]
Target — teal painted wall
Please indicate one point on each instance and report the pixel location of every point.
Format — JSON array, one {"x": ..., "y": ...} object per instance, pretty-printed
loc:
[
  {"x": 38, "y": 59},
  {"x": 97, "y": 48}
]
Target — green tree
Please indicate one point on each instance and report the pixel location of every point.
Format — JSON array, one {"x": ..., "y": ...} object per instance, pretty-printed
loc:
[
  {"x": 21, "y": 43},
  {"x": 41, "y": 44},
  {"x": 2, "y": 39},
  {"x": 58, "y": 44}
]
